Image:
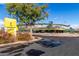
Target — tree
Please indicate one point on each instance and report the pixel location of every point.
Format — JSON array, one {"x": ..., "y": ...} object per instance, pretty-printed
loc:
[
  {"x": 71, "y": 30},
  {"x": 50, "y": 24},
  {"x": 27, "y": 13}
]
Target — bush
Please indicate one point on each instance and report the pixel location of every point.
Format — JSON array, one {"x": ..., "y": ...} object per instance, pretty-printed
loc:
[
  {"x": 25, "y": 36},
  {"x": 8, "y": 38},
  {"x": 5, "y": 37}
]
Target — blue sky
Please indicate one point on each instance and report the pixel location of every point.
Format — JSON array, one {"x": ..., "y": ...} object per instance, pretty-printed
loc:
[{"x": 62, "y": 13}]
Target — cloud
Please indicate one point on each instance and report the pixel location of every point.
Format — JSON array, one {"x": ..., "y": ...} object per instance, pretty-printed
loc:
[
  {"x": 55, "y": 18},
  {"x": 75, "y": 26},
  {"x": 1, "y": 22}
]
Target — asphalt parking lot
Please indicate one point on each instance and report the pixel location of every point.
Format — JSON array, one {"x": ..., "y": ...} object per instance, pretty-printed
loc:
[{"x": 70, "y": 47}]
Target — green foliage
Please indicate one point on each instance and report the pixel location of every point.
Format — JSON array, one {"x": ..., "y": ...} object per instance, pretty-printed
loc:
[{"x": 27, "y": 13}]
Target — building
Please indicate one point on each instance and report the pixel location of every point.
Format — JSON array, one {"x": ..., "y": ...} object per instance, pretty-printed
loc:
[{"x": 57, "y": 28}]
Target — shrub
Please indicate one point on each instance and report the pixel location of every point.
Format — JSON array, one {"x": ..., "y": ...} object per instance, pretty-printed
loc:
[
  {"x": 25, "y": 36},
  {"x": 6, "y": 37},
  {"x": 21, "y": 36}
]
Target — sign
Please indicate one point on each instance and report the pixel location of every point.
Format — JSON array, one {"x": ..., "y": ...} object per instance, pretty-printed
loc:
[
  {"x": 11, "y": 31},
  {"x": 10, "y": 24}
]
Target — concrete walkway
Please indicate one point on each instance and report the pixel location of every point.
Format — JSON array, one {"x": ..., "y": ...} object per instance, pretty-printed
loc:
[{"x": 58, "y": 34}]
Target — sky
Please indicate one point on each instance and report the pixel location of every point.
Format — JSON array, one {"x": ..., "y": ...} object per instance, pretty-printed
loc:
[{"x": 59, "y": 13}]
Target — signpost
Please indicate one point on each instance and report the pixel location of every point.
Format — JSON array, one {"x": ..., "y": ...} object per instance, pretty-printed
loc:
[{"x": 11, "y": 27}]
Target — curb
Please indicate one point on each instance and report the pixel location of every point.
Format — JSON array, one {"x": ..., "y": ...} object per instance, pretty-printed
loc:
[
  {"x": 56, "y": 35},
  {"x": 20, "y": 42}
]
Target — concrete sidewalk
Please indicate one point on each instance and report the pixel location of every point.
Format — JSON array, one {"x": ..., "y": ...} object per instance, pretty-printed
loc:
[{"x": 57, "y": 34}]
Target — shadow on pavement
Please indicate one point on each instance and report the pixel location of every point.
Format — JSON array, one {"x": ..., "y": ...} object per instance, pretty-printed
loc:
[
  {"x": 50, "y": 43},
  {"x": 34, "y": 52},
  {"x": 11, "y": 49}
]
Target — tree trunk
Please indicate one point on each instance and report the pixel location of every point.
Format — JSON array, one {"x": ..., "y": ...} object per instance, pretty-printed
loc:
[{"x": 31, "y": 30}]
